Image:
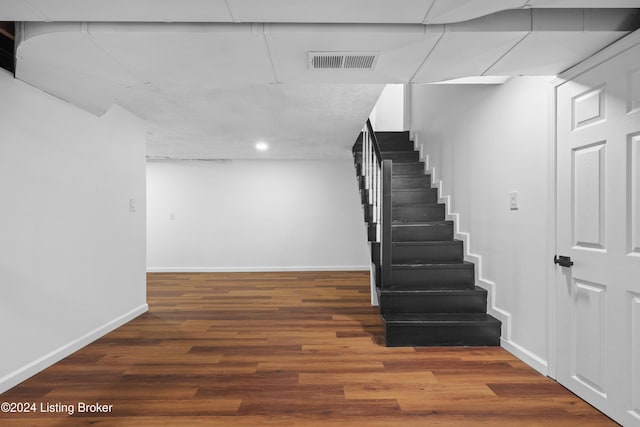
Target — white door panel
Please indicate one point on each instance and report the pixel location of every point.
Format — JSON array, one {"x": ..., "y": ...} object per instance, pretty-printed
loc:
[{"x": 598, "y": 226}]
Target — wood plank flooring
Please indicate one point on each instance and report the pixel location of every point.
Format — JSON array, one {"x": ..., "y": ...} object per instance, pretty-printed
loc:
[{"x": 285, "y": 349}]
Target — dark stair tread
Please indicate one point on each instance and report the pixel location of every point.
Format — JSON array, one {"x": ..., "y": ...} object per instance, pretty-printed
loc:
[
  {"x": 435, "y": 265},
  {"x": 419, "y": 185},
  {"x": 418, "y": 205},
  {"x": 409, "y": 175},
  {"x": 438, "y": 223},
  {"x": 426, "y": 242},
  {"x": 414, "y": 176},
  {"x": 358, "y": 156},
  {"x": 408, "y": 193},
  {"x": 399, "y": 164},
  {"x": 400, "y": 155},
  {"x": 421, "y": 223},
  {"x": 440, "y": 318},
  {"x": 403, "y": 231},
  {"x": 419, "y": 212},
  {"x": 389, "y": 134},
  {"x": 411, "y": 300},
  {"x": 437, "y": 250},
  {"x": 408, "y": 167},
  {"x": 392, "y": 133},
  {"x": 412, "y": 291},
  {"x": 422, "y": 189},
  {"x": 402, "y": 290},
  {"x": 415, "y": 162}
]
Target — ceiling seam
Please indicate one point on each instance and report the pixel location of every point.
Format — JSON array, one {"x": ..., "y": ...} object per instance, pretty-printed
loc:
[
  {"x": 87, "y": 32},
  {"x": 506, "y": 53},
  {"x": 512, "y": 47},
  {"x": 233, "y": 17},
  {"x": 140, "y": 81},
  {"x": 426, "y": 15},
  {"x": 266, "y": 36},
  {"x": 413, "y": 76},
  {"x": 38, "y": 11}
]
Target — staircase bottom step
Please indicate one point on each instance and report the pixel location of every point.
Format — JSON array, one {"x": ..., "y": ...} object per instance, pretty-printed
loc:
[{"x": 418, "y": 330}]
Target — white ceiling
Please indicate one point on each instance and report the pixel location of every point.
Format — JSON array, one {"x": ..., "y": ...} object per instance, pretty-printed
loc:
[
  {"x": 300, "y": 11},
  {"x": 211, "y": 90}
]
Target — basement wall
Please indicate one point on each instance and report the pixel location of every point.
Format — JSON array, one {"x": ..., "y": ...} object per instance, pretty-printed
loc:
[
  {"x": 484, "y": 142},
  {"x": 388, "y": 113},
  {"x": 254, "y": 215},
  {"x": 72, "y": 255}
]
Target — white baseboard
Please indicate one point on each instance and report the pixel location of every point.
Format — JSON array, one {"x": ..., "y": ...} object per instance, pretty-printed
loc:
[
  {"x": 29, "y": 370},
  {"x": 362, "y": 267},
  {"x": 526, "y": 356}
]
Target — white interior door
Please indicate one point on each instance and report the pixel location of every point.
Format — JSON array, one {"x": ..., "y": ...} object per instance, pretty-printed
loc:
[{"x": 598, "y": 227}]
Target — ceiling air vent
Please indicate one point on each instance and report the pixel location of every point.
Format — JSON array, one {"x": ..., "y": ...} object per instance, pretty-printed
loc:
[{"x": 343, "y": 60}]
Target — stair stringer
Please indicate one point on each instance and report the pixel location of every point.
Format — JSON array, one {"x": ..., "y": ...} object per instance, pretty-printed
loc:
[{"x": 504, "y": 316}]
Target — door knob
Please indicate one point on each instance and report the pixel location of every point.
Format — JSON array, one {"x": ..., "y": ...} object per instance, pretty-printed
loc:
[{"x": 564, "y": 261}]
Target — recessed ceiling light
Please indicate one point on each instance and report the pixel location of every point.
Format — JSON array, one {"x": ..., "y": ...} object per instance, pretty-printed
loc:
[{"x": 262, "y": 146}]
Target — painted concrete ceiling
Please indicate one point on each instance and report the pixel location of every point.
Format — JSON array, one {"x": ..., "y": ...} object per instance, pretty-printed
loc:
[
  {"x": 212, "y": 88},
  {"x": 299, "y": 11}
]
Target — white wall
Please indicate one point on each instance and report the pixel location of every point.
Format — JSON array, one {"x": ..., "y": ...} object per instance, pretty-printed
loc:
[
  {"x": 72, "y": 256},
  {"x": 254, "y": 215},
  {"x": 388, "y": 113},
  {"x": 484, "y": 142}
]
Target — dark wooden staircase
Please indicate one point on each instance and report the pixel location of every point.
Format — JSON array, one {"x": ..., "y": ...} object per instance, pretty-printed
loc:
[
  {"x": 431, "y": 298},
  {"x": 7, "y": 45}
]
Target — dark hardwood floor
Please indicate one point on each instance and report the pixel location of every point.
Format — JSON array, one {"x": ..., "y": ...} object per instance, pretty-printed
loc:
[{"x": 285, "y": 349}]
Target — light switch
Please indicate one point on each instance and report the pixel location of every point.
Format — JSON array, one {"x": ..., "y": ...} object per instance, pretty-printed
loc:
[
  {"x": 513, "y": 200},
  {"x": 132, "y": 205},
  {"x": 172, "y": 216}
]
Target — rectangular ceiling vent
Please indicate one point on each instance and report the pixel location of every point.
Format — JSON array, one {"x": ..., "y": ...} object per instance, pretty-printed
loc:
[{"x": 343, "y": 60}]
